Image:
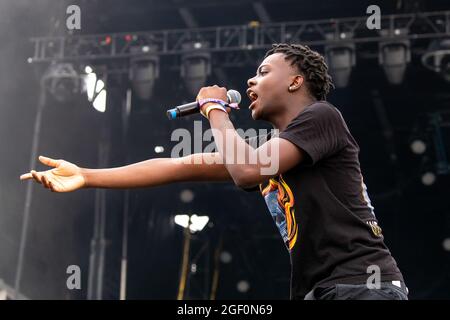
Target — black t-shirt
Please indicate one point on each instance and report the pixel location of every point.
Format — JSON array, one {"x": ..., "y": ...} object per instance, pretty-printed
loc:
[{"x": 322, "y": 209}]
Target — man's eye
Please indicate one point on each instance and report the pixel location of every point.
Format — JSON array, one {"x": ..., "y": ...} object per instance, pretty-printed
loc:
[{"x": 262, "y": 72}]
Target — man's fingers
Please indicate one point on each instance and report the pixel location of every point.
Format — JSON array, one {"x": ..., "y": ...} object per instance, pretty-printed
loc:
[
  {"x": 49, "y": 161},
  {"x": 45, "y": 181},
  {"x": 52, "y": 188},
  {"x": 36, "y": 177},
  {"x": 26, "y": 176},
  {"x": 40, "y": 178}
]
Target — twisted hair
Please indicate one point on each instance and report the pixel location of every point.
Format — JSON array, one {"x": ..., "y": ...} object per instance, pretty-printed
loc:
[{"x": 310, "y": 63}]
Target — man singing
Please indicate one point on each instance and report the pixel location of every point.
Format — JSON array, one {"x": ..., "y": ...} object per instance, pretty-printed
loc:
[{"x": 315, "y": 194}]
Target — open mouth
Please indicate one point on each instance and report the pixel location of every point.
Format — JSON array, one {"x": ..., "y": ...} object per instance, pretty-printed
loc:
[{"x": 252, "y": 96}]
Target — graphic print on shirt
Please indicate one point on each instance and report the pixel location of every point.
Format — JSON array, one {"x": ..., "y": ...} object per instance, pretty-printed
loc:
[{"x": 280, "y": 201}]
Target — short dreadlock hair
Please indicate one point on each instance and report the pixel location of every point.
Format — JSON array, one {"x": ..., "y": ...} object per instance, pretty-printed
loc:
[{"x": 310, "y": 63}]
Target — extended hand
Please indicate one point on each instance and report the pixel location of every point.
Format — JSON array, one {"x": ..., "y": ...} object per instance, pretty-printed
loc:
[{"x": 65, "y": 176}]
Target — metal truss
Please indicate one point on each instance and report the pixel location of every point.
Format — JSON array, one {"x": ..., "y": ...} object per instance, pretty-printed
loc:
[{"x": 252, "y": 37}]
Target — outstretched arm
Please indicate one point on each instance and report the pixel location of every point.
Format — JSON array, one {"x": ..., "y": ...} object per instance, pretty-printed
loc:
[
  {"x": 66, "y": 176},
  {"x": 159, "y": 171}
]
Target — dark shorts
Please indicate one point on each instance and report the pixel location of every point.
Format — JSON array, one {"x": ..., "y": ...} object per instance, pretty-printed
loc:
[{"x": 393, "y": 290}]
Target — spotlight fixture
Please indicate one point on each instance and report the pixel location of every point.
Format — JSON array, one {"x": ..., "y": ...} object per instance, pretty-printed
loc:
[
  {"x": 437, "y": 58},
  {"x": 394, "y": 55},
  {"x": 144, "y": 70},
  {"x": 341, "y": 57},
  {"x": 195, "y": 66},
  {"x": 62, "y": 81},
  {"x": 195, "y": 223}
]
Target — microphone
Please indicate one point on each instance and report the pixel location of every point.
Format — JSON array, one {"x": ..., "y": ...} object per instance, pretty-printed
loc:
[{"x": 193, "y": 107}]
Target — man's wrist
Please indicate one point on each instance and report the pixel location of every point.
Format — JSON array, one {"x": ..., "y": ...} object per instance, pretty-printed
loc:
[
  {"x": 207, "y": 104},
  {"x": 210, "y": 106},
  {"x": 85, "y": 173},
  {"x": 210, "y": 110}
]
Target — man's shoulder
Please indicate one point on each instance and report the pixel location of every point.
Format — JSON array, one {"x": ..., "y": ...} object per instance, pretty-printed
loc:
[
  {"x": 318, "y": 111},
  {"x": 323, "y": 107}
]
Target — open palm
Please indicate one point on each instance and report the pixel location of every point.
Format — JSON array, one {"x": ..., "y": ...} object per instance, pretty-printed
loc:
[{"x": 65, "y": 176}]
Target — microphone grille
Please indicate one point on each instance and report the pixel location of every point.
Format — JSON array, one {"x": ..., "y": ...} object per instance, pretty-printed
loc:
[{"x": 233, "y": 96}]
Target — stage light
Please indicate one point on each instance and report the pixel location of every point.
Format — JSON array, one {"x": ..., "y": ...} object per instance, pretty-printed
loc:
[
  {"x": 95, "y": 90},
  {"x": 62, "y": 81},
  {"x": 90, "y": 81},
  {"x": 194, "y": 223},
  {"x": 418, "y": 146},
  {"x": 8, "y": 293},
  {"x": 186, "y": 196},
  {"x": 100, "y": 101},
  {"x": 107, "y": 41},
  {"x": 144, "y": 71},
  {"x": 437, "y": 58},
  {"x": 341, "y": 58},
  {"x": 129, "y": 37},
  {"x": 159, "y": 149},
  {"x": 226, "y": 257},
  {"x": 198, "y": 222},
  {"x": 195, "y": 66},
  {"x": 100, "y": 85},
  {"x": 428, "y": 178},
  {"x": 243, "y": 286},
  {"x": 182, "y": 220},
  {"x": 446, "y": 244},
  {"x": 88, "y": 69},
  {"x": 394, "y": 56}
]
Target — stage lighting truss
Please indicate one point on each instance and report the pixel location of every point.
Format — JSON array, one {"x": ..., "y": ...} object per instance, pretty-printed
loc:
[
  {"x": 425, "y": 25},
  {"x": 139, "y": 54}
]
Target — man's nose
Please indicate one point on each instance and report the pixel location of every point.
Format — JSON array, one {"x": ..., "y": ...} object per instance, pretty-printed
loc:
[{"x": 251, "y": 82}]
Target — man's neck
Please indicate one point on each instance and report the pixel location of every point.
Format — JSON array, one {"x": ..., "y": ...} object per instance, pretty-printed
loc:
[{"x": 294, "y": 108}]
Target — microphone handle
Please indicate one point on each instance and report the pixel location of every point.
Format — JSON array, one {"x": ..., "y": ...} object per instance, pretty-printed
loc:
[{"x": 183, "y": 110}]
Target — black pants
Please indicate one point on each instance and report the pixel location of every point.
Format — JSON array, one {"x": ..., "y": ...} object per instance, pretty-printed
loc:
[{"x": 387, "y": 291}]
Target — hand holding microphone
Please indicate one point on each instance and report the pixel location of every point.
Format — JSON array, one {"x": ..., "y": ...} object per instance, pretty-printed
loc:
[{"x": 232, "y": 97}]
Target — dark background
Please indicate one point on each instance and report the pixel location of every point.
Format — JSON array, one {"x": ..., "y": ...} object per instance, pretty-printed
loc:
[{"x": 415, "y": 218}]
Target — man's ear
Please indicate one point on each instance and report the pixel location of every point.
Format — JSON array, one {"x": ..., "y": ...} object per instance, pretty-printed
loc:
[{"x": 296, "y": 83}]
